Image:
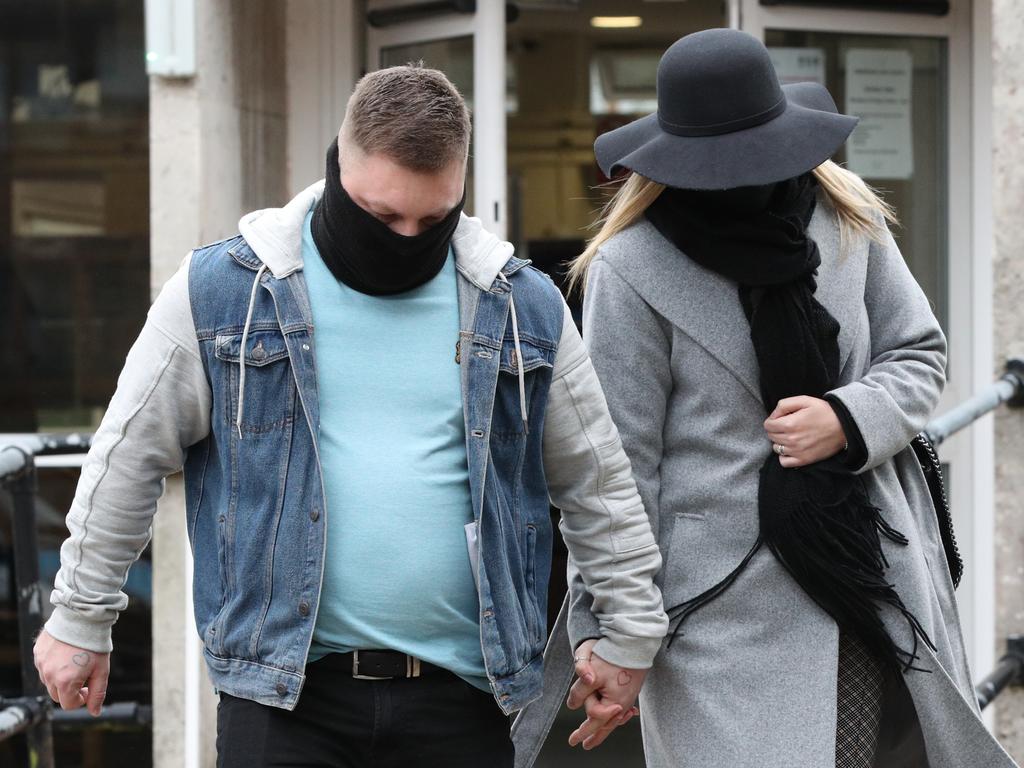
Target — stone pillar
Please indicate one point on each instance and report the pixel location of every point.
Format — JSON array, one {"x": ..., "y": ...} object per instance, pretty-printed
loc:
[
  {"x": 1008, "y": 308},
  {"x": 217, "y": 150}
]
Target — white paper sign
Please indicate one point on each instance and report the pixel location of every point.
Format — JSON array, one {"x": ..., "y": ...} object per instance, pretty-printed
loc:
[
  {"x": 799, "y": 65},
  {"x": 878, "y": 88}
]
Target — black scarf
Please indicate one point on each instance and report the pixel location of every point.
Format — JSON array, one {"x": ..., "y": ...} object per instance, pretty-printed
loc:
[
  {"x": 816, "y": 520},
  {"x": 362, "y": 251}
]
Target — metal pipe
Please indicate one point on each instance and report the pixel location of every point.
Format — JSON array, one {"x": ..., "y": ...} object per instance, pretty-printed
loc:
[
  {"x": 16, "y": 448},
  {"x": 12, "y": 460},
  {"x": 54, "y": 445},
  {"x": 19, "y": 716},
  {"x": 1008, "y": 389},
  {"x": 1009, "y": 671},
  {"x": 30, "y": 602},
  {"x": 1015, "y": 369},
  {"x": 128, "y": 713}
]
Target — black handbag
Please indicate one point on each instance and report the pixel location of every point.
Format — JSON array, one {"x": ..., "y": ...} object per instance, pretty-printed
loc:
[{"x": 932, "y": 468}]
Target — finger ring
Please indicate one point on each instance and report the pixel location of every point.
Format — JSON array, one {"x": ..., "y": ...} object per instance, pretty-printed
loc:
[
  {"x": 578, "y": 659},
  {"x": 779, "y": 449}
]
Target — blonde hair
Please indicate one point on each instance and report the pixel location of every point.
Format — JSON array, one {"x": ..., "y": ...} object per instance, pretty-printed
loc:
[{"x": 860, "y": 210}]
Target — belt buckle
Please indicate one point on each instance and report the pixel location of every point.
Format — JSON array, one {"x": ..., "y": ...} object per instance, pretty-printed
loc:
[
  {"x": 355, "y": 670},
  {"x": 412, "y": 666}
]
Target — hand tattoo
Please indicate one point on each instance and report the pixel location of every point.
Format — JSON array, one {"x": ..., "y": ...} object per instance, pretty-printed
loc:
[
  {"x": 81, "y": 659},
  {"x": 625, "y": 678}
]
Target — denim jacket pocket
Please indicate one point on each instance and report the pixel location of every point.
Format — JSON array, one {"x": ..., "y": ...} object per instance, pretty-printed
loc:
[
  {"x": 269, "y": 383},
  {"x": 537, "y": 363},
  {"x": 533, "y": 619},
  {"x": 262, "y": 347},
  {"x": 534, "y": 355}
]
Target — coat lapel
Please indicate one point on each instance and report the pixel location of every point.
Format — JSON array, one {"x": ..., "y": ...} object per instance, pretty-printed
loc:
[
  {"x": 706, "y": 306},
  {"x": 700, "y": 303}
]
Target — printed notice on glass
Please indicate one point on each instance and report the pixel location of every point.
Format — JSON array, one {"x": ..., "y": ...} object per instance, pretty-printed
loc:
[
  {"x": 878, "y": 88},
  {"x": 799, "y": 65}
]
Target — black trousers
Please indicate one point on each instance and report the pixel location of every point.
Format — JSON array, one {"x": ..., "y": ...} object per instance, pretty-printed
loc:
[{"x": 341, "y": 722}]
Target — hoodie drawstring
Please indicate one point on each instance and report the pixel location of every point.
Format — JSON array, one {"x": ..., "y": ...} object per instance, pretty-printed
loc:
[
  {"x": 519, "y": 354},
  {"x": 241, "y": 351}
]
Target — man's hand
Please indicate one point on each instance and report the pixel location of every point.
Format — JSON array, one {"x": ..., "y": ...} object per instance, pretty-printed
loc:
[
  {"x": 807, "y": 429},
  {"x": 607, "y": 693},
  {"x": 73, "y": 676}
]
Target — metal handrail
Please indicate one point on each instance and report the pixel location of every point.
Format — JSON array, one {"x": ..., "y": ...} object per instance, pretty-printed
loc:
[
  {"x": 33, "y": 714},
  {"x": 1009, "y": 389},
  {"x": 1009, "y": 671},
  {"x": 16, "y": 449},
  {"x": 21, "y": 715}
]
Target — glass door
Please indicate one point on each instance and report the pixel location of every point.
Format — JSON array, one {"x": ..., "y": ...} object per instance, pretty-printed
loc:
[
  {"x": 470, "y": 49},
  {"x": 576, "y": 71},
  {"x": 909, "y": 77}
]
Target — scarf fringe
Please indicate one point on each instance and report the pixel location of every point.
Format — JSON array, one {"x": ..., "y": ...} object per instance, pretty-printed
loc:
[{"x": 691, "y": 606}]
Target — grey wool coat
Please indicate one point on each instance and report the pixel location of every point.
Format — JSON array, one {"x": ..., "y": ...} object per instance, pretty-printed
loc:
[{"x": 751, "y": 681}]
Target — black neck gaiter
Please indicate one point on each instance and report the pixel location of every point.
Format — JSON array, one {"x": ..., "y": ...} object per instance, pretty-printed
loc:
[{"x": 364, "y": 253}]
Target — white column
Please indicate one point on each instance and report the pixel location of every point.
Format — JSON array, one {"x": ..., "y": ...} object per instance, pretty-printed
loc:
[
  {"x": 324, "y": 55},
  {"x": 218, "y": 148},
  {"x": 489, "y": 171}
]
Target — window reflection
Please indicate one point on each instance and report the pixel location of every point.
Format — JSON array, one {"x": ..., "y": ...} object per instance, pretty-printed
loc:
[
  {"x": 901, "y": 143},
  {"x": 74, "y": 289},
  {"x": 74, "y": 200}
]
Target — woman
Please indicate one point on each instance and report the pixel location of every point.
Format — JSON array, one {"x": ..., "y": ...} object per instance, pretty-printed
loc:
[{"x": 768, "y": 357}]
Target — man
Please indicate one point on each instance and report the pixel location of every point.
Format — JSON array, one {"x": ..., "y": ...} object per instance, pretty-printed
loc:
[{"x": 372, "y": 400}]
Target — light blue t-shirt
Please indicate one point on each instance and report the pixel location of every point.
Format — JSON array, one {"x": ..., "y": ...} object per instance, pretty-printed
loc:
[{"x": 393, "y": 455}]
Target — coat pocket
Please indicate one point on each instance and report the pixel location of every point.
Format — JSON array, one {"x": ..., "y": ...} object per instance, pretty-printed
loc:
[
  {"x": 695, "y": 559},
  {"x": 537, "y": 363},
  {"x": 269, "y": 383}
]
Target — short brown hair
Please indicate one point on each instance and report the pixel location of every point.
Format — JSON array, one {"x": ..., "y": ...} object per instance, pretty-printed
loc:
[{"x": 411, "y": 114}]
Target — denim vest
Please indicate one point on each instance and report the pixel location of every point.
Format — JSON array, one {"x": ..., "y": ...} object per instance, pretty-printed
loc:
[{"x": 255, "y": 503}]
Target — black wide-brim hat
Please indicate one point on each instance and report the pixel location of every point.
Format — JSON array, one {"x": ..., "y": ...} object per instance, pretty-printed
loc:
[{"x": 724, "y": 121}]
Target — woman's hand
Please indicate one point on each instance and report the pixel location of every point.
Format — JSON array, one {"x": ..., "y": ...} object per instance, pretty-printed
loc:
[{"x": 807, "y": 429}]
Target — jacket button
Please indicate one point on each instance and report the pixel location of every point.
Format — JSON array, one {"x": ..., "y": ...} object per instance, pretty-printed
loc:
[
  {"x": 314, "y": 515},
  {"x": 303, "y": 608},
  {"x": 282, "y": 689}
]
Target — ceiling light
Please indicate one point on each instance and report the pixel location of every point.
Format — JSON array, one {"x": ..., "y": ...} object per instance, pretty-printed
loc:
[{"x": 616, "y": 22}]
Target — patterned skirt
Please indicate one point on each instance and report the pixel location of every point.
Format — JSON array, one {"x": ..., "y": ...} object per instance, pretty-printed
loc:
[{"x": 859, "y": 704}]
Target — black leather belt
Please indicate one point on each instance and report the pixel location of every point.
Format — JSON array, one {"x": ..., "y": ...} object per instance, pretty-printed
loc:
[{"x": 382, "y": 665}]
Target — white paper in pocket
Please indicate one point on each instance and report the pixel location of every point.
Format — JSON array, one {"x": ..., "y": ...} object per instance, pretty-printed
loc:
[{"x": 473, "y": 544}]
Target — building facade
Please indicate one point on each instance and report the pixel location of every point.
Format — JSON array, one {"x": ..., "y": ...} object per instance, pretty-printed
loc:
[{"x": 238, "y": 116}]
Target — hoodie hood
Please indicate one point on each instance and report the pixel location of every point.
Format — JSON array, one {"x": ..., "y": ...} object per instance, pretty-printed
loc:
[{"x": 275, "y": 236}]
